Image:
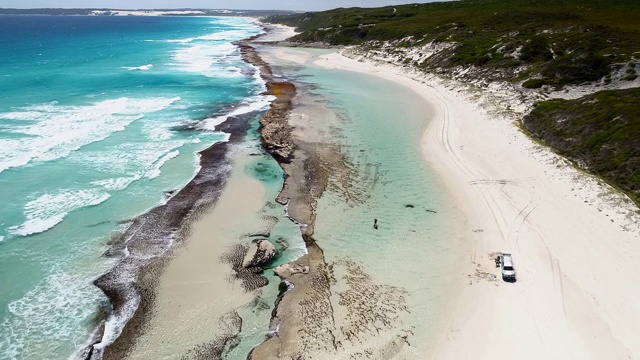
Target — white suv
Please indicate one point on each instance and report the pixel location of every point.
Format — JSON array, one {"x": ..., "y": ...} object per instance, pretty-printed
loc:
[{"x": 508, "y": 272}]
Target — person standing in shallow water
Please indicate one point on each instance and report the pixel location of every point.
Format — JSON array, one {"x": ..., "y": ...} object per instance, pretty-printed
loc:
[{"x": 375, "y": 224}]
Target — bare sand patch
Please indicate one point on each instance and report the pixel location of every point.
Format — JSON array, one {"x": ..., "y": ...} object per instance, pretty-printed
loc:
[{"x": 197, "y": 293}]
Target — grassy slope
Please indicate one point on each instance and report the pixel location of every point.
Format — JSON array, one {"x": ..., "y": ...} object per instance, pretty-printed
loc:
[{"x": 556, "y": 42}]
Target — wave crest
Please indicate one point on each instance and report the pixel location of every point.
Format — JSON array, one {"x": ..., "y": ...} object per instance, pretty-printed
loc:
[
  {"x": 141, "y": 68},
  {"x": 48, "y": 210},
  {"x": 50, "y": 131}
]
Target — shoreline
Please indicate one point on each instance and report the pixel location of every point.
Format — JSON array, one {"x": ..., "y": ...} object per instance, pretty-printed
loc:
[
  {"x": 332, "y": 308},
  {"x": 304, "y": 183},
  {"x": 516, "y": 197},
  {"x": 146, "y": 246},
  {"x": 312, "y": 317},
  {"x": 522, "y": 199}
]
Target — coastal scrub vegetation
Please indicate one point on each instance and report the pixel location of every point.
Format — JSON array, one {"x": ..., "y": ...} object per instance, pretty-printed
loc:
[
  {"x": 555, "y": 42},
  {"x": 600, "y": 131},
  {"x": 532, "y": 43}
]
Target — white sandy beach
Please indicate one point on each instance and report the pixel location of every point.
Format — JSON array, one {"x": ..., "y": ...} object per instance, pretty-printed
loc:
[
  {"x": 276, "y": 32},
  {"x": 574, "y": 244}
]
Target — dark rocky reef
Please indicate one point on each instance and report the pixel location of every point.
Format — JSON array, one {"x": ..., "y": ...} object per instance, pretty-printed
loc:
[
  {"x": 247, "y": 261},
  {"x": 147, "y": 242},
  {"x": 250, "y": 277},
  {"x": 260, "y": 252},
  {"x": 303, "y": 322},
  {"x": 275, "y": 129}
]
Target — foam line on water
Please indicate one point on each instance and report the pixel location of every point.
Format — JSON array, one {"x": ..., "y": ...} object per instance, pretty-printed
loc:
[
  {"x": 207, "y": 54},
  {"x": 257, "y": 103},
  {"x": 48, "y": 210},
  {"x": 50, "y": 131},
  {"x": 141, "y": 68},
  {"x": 116, "y": 322},
  {"x": 155, "y": 172},
  {"x": 206, "y": 59},
  {"x": 46, "y": 314},
  {"x": 116, "y": 184},
  {"x": 229, "y": 35}
]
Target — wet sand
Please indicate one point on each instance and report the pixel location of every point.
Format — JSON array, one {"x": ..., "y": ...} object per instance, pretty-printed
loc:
[
  {"x": 147, "y": 243},
  {"x": 197, "y": 292}
]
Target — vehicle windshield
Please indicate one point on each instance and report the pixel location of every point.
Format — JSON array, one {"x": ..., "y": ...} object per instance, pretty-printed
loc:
[{"x": 508, "y": 268}]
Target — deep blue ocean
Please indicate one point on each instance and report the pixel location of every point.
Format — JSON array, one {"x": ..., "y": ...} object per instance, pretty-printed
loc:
[{"x": 90, "y": 108}]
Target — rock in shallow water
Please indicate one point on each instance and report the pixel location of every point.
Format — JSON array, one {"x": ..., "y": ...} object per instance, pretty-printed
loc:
[
  {"x": 260, "y": 252},
  {"x": 286, "y": 270}
]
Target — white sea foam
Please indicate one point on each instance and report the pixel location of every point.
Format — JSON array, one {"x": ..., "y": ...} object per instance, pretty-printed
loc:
[
  {"x": 180, "y": 41},
  {"x": 127, "y": 159},
  {"x": 258, "y": 103},
  {"x": 116, "y": 184},
  {"x": 155, "y": 172},
  {"x": 48, "y": 210},
  {"x": 116, "y": 322},
  {"x": 239, "y": 22},
  {"x": 51, "y": 131},
  {"x": 226, "y": 35},
  {"x": 229, "y": 35},
  {"x": 132, "y": 160},
  {"x": 161, "y": 131},
  {"x": 141, "y": 68},
  {"x": 201, "y": 53},
  {"x": 202, "y": 58},
  {"x": 47, "y": 314}
]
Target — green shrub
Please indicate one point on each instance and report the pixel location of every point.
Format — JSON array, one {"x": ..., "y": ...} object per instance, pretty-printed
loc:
[
  {"x": 600, "y": 130},
  {"x": 534, "y": 83},
  {"x": 575, "y": 69},
  {"x": 537, "y": 49}
]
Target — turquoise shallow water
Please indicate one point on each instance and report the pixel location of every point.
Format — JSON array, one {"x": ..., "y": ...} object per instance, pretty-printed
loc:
[
  {"x": 380, "y": 129},
  {"x": 100, "y": 117},
  {"x": 287, "y": 238}
]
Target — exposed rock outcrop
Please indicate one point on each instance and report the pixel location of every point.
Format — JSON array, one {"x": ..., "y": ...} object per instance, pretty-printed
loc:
[
  {"x": 275, "y": 130},
  {"x": 286, "y": 270},
  {"x": 259, "y": 253},
  {"x": 251, "y": 277}
]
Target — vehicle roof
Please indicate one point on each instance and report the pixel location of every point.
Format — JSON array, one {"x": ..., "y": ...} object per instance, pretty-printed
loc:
[{"x": 507, "y": 259}]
